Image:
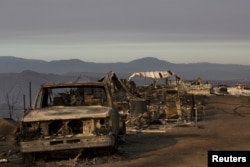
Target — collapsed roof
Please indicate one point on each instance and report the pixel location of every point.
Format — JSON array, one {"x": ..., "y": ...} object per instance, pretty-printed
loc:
[{"x": 155, "y": 75}]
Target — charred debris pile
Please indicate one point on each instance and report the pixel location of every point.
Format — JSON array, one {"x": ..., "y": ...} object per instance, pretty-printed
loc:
[{"x": 164, "y": 99}]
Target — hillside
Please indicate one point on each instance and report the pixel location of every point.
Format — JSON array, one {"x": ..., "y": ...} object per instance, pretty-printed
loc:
[
  {"x": 210, "y": 71},
  {"x": 16, "y": 85}
]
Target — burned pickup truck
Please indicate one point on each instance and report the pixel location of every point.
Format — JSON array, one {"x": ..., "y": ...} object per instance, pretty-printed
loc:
[{"x": 68, "y": 116}]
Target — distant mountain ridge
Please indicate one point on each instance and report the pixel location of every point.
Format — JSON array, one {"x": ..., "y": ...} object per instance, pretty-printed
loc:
[{"x": 209, "y": 71}]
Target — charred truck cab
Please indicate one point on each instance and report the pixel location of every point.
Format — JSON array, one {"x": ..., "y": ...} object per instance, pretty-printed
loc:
[{"x": 69, "y": 116}]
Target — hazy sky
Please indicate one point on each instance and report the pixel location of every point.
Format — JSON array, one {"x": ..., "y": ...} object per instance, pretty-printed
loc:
[{"x": 179, "y": 31}]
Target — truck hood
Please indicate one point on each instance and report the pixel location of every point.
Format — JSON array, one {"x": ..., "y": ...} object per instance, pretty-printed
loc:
[{"x": 63, "y": 113}]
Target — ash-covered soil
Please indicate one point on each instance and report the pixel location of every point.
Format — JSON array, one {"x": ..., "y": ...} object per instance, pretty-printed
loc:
[{"x": 226, "y": 127}]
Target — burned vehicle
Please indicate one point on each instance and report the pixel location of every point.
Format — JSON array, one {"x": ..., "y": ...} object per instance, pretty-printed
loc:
[
  {"x": 68, "y": 116},
  {"x": 237, "y": 90},
  {"x": 220, "y": 89}
]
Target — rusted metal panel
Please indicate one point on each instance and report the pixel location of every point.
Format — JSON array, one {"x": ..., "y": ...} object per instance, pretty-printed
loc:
[
  {"x": 153, "y": 74},
  {"x": 65, "y": 113},
  {"x": 67, "y": 143}
]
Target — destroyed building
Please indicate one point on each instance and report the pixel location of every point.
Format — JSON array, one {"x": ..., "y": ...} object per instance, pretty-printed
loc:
[{"x": 161, "y": 101}]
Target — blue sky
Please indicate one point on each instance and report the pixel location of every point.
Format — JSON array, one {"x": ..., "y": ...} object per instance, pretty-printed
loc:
[{"x": 178, "y": 31}]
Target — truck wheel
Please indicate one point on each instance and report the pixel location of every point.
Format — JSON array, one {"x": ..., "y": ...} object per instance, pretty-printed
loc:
[
  {"x": 28, "y": 158},
  {"x": 113, "y": 149}
]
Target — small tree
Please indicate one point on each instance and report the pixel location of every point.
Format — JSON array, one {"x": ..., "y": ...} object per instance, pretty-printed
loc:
[{"x": 12, "y": 100}]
